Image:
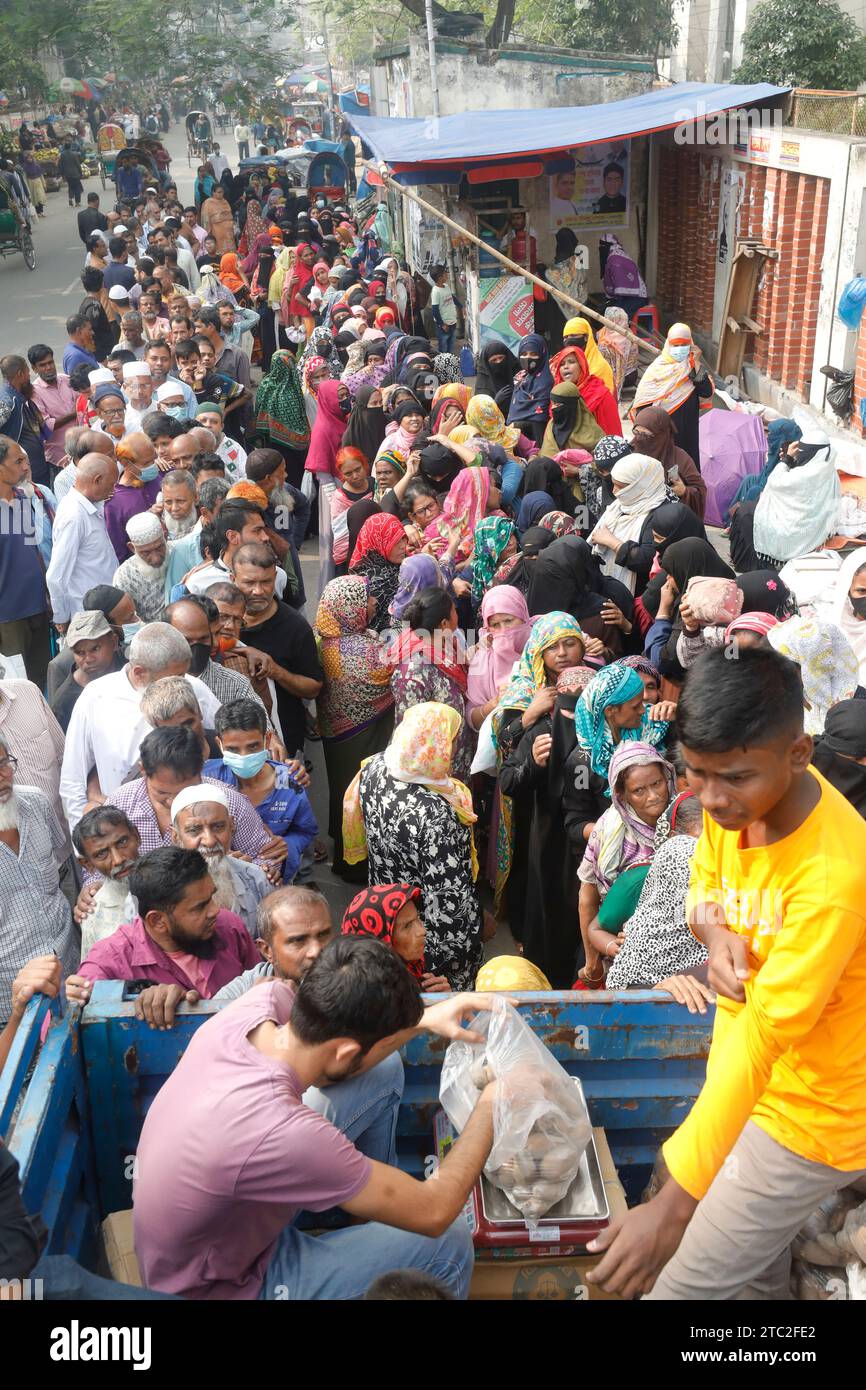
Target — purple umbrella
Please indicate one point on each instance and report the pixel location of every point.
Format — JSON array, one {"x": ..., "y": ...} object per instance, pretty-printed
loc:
[{"x": 733, "y": 446}]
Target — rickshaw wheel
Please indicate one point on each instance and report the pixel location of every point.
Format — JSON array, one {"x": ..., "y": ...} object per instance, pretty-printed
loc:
[
  {"x": 102, "y": 173},
  {"x": 28, "y": 250}
]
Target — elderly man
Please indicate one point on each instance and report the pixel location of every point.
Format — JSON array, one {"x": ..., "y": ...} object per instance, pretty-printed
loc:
[
  {"x": 178, "y": 503},
  {"x": 35, "y": 918},
  {"x": 180, "y": 936},
  {"x": 80, "y": 441},
  {"x": 138, "y": 386},
  {"x": 190, "y": 616},
  {"x": 109, "y": 403},
  {"x": 107, "y": 725},
  {"x": 24, "y": 624},
  {"x": 95, "y": 649},
  {"x": 132, "y": 334},
  {"x": 136, "y": 489},
  {"x": 171, "y": 760},
  {"x": 82, "y": 555},
  {"x": 143, "y": 575},
  {"x": 108, "y": 844},
  {"x": 210, "y": 414},
  {"x": 79, "y": 350},
  {"x": 201, "y": 820}
]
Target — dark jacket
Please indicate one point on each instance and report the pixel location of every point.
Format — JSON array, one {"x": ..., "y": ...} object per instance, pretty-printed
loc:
[{"x": 69, "y": 165}]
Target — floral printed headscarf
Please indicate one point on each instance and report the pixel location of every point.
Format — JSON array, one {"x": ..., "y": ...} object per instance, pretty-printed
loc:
[
  {"x": 486, "y": 419},
  {"x": 828, "y": 666},
  {"x": 492, "y": 535}
]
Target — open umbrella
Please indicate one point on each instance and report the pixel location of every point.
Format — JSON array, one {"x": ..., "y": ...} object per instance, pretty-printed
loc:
[
  {"x": 315, "y": 87},
  {"x": 733, "y": 445}
]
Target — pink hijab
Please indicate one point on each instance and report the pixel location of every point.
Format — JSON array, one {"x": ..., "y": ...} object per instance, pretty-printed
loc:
[
  {"x": 328, "y": 429},
  {"x": 494, "y": 657}
]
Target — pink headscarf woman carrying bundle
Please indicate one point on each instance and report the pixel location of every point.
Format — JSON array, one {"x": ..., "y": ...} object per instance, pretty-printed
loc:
[{"x": 493, "y": 661}]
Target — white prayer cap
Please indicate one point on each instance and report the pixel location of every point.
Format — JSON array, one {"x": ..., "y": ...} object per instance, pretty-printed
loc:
[
  {"x": 168, "y": 390},
  {"x": 143, "y": 528},
  {"x": 193, "y": 796},
  {"x": 133, "y": 369},
  {"x": 100, "y": 376},
  {"x": 119, "y": 230},
  {"x": 118, "y": 294}
]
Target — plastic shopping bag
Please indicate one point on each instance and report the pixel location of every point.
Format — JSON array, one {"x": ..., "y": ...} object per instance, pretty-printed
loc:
[{"x": 540, "y": 1124}]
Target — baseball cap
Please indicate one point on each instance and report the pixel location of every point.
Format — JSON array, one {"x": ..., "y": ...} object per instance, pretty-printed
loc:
[{"x": 87, "y": 626}]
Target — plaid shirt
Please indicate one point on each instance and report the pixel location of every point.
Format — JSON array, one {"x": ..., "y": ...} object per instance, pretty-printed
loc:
[
  {"x": 35, "y": 918},
  {"x": 250, "y": 837},
  {"x": 228, "y": 685}
]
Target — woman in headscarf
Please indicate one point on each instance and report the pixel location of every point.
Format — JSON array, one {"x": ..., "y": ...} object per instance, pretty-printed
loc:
[
  {"x": 555, "y": 642},
  {"x": 332, "y": 399},
  {"x": 559, "y": 524},
  {"x": 798, "y": 508},
  {"x": 533, "y": 507},
  {"x": 677, "y": 381},
  {"x": 372, "y": 371},
  {"x": 656, "y": 948},
  {"x": 446, "y": 416},
  {"x": 232, "y": 276},
  {"x": 217, "y": 219},
  {"x": 592, "y": 479},
  {"x": 568, "y": 275},
  {"x": 295, "y": 304},
  {"x": 280, "y": 416},
  {"x": 389, "y": 913},
  {"x": 422, "y": 384},
  {"x": 674, "y": 521},
  {"x": 572, "y": 424},
  {"x": 684, "y": 560},
  {"x": 613, "y": 710},
  {"x": 495, "y": 540},
  {"x": 505, "y": 629},
  {"x": 530, "y": 399},
  {"x": 358, "y": 513},
  {"x": 567, "y": 576},
  {"x": 255, "y": 227},
  {"x": 355, "y": 707},
  {"x": 543, "y": 886},
  {"x": 618, "y": 350},
  {"x": 456, "y": 392},
  {"x": 411, "y": 355},
  {"x": 840, "y": 752},
  {"x": 642, "y": 785},
  {"x": 408, "y": 425},
  {"x": 314, "y": 372},
  {"x": 780, "y": 433},
  {"x": 517, "y": 571},
  {"x": 485, "y": 418},
  {"x": 847, "y": 605},
  {"x": 571, "y": 365},
  {"x": 827, "y": 662},
  {"x": 261, "y": 270},
  {"x": 414, "y": 821},
  {"x": 377, "y": 556},
  {"x": 431, "y": 663},
  {"x": 419, "y": 572},
  {"x": 212, "y": 290},
  {"x": 472, "y": 496},
  {"x": 623, "y": 534},
  {"x": 654, "y": 435},
  {"x": 578, "y": 334},
  {"x": 495, "y": 366},
  {"x": 365, "y": 428},
  {"x": 352, "y": 485}
]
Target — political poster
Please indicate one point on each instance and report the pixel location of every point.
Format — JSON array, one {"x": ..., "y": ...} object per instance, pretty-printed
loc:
[
  {"x": 505, "y": 309},
  {"x": 594, "y": 191}
]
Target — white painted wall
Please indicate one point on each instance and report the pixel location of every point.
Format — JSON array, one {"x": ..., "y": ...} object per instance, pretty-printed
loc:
[{"x": 699, "y": 55}]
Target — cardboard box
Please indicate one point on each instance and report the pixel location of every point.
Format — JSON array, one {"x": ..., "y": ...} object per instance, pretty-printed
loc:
[
  {"x": 120, "y": 1254},
  {"x": 511, "y": 1275}
]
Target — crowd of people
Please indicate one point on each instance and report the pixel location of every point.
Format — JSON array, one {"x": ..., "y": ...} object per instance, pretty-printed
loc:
[{"x": 521, "y": 640}]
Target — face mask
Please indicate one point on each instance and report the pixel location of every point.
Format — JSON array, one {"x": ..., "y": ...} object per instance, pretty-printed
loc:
[
  {"x": 148, "y": 474},
  {"x": 679, "y": 354},
  {"x": 129, "y": 631},
  {"x": 200, "y": 657},
  {"x": 859, "y": 606},
  {"x": 530, "y": 363},
  {"x": 577, "y": 342},
  {"x": 177, "y": 412},
  {"x": 346, "y": 407},
  {"x": 246, "y": 764}
]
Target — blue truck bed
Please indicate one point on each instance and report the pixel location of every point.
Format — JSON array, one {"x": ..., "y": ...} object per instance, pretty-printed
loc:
[{"x": 74, "y": 1125}]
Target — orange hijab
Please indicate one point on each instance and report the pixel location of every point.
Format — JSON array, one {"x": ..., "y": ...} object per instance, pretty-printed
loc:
[{"x": 229, "y": 273}]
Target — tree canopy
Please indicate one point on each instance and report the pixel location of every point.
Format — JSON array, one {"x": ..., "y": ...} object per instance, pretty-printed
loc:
[{"x": 803, "y": 43}]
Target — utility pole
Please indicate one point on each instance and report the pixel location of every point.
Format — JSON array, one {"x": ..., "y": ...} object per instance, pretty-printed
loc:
[
  {"x": 431, "y": 43},
  {"x": 331, "y": 116}
]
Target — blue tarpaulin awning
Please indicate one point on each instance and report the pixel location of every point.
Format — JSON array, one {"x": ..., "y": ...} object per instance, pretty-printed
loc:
[{"x": 409, "y": 145}]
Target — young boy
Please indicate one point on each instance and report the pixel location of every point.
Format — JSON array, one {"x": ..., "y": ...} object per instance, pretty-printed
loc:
[
  {"x": 777, "y": 898},
  {"x": 443, "y": 308}
]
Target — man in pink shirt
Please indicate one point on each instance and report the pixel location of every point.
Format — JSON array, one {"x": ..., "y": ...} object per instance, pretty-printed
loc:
[
  {"x": 55, "y": 398},
  {"x": 179, "y": 937},
  {"x": 230, "y": 1154}
]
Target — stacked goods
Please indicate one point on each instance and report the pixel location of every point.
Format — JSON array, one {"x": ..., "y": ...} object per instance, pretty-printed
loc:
[
  {"x": 540, "y": 1125},
  {"x": 830, "y": 1250}
]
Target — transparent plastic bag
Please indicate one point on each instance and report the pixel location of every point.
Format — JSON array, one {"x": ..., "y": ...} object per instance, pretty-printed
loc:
[{"x": 540, "y": 1124}]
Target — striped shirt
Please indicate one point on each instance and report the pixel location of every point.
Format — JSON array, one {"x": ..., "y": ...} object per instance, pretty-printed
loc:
[
  {"x": 250, "y": 837},
  {"x": 36, "y": 739}
]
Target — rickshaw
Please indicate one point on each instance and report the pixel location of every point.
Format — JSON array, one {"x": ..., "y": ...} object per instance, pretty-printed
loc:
[
  {"x": 109, "y": 139},
  {"x": 14, "y": 232},
  {"x": 197, "y": 147},
  {"x": 144, "y": 156},
  {"x": 327, "y": 176}
]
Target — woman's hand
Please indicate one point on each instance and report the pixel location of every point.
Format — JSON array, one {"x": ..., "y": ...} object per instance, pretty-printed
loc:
[
  {"x": 461, "y": 587},
  {"x": 602, "y": 535},
  {"x": 667, "y": 598},
  {"x": 541, "y": 750},
  {"x": 541, "y": 704},
  {"x": 685, "y": 989},
  {"x": 413, "y": 464},
  {"x": 434, "y": 984},
  {"x": 677, "y": 486},
  {"x": 687, "y": 618},
  {"x": 614, "y": 616},
  {"x": 593, "y": 646},
  {"x": 664, "y": 710}
]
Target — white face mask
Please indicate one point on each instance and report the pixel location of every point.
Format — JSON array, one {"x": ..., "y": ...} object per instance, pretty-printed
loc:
[{"x": 680, "y": 353}]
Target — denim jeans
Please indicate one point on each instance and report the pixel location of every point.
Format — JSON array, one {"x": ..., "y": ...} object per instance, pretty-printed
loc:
[
  {"x": 64, "y": 1280},
  {"x": 343, "y": 1264},
  {"x": 446, "y": 337},
  {"x": 243, "y": 149}
]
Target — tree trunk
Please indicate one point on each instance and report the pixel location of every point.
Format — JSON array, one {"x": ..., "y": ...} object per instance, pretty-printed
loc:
[{"x": 500, "y": 29}]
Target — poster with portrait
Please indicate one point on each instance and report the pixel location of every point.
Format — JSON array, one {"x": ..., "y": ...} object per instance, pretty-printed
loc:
[
  {"x": 506, "y": 310},
  {"x": 594, "y": 191}
]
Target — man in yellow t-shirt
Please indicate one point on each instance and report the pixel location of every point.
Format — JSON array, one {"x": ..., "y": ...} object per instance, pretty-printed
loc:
[{"x": 778, "y": 896}]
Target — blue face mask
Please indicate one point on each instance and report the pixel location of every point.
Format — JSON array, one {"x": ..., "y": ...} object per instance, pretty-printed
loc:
[
  {"x": 246, "y": 764},
  {"x": 177, "y": 412},
  {"x": 148, "y": 474},
  {"x": 129, "y": 631},
  {"x": 680, "y": 353}
]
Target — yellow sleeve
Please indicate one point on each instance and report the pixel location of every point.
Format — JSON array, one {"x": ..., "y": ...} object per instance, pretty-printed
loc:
[
  {"x": 784, "y": 1001},
  {"x": 703, "y": 875}
]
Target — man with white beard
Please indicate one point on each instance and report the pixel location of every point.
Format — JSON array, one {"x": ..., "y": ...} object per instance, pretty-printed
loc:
[
  {"x": 201, "y": 820},
  {"x": 106, "y": 843},
  {"x": 179, "y": 512},
  {"x": 138, "y": 388},
  {"x": 142, "y": 576},
  {"x": 35, "y": 918}
]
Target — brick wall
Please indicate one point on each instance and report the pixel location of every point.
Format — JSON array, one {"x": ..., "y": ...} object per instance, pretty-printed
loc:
[
  {"x": 860, "y": 371},
  {"x": 789, "y": 211}
]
